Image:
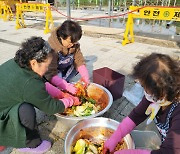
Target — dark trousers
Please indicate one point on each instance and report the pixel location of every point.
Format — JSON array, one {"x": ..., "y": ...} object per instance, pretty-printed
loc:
[{"x": 27, "y": 116}]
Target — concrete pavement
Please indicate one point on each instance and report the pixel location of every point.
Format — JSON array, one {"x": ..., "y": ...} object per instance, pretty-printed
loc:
[{"x": 99, "y": 51}]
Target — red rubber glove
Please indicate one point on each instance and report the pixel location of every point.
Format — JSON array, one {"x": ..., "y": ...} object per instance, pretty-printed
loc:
[
  {"x": 61, "y": 83},
  {"x": 125, "y": 127},
  {"x": 133, "y": 151},
  {"x": 84, "y": 74},
  {"x": 68, "y": 102}
]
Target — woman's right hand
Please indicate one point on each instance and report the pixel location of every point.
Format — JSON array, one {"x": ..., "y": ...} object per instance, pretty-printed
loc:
[
  {"x": 125, "y": 127},
  {"x": 75, "y": 99},
  {"x": 68, "y": 102},
  {"x": 111, "y": 143}
]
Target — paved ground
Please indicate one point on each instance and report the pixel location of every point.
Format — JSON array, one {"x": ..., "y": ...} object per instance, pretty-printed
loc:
[{"x": 99, "y": 51}]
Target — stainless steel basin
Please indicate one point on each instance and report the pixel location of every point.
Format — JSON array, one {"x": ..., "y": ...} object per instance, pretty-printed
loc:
[
  {"x": 71, "y": 121},
  {"x": 146, "y": 139},
  {"x": 93, "y": 128}
]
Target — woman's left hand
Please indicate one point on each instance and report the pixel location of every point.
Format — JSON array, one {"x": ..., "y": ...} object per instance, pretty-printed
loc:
[
  {"x": 85, "y": 81},
  {"x": 75, "y": 99},
  {"x": 84, "y": 74}
]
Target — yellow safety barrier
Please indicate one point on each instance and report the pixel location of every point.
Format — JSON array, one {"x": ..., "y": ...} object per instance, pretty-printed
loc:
[
  {"x": 149, "y": 12},
  {"x": 5, "y": 11},
  {"x": 33, "y": 7},
  {"x": 11, "y": 2}
]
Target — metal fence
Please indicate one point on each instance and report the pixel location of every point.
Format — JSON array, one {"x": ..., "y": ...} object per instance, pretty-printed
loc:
[{"x": 117, "y": 4}]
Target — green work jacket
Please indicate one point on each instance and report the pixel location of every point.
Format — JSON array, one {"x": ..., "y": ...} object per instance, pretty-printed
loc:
[{"x": 18, "y": 85}]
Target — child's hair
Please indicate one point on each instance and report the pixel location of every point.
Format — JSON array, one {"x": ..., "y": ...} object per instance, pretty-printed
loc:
[
  {"x": 70, "y": 28},
  {"x": 160, "y": 75},
  {"x": 33, "y": 48}
]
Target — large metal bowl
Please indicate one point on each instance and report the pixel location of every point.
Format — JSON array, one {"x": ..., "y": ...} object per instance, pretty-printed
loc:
[
  {"x": 71, "y": 121},
  {"x": 96, "y": 128}
]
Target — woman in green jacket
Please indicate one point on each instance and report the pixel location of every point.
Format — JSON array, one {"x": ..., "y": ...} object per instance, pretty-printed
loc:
[{"x": 23, "y": 88}]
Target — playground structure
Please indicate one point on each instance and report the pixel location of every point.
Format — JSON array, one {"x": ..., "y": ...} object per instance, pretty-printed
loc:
[{"x": 150, "y": 12}]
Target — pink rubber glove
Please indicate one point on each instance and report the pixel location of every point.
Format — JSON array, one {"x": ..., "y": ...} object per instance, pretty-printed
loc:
[
  {"x": 125, "y": 127},
  {"x": 56, "y": 93},
  {"x": 75, "y": 99},
  {"x": 53, "y": 91},
  {"x": 68, "y": 102},
  {"x": 133, "y": 151},
  {"x": 84, "y": 73},
  {"x": 61, "y": 83},
  {"x": 42, "y": 148}
]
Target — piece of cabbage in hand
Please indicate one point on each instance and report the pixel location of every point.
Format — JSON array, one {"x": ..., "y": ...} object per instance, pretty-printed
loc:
[
  {"x": 85, "y": 109},
  {"x": 80, "y": 147}
]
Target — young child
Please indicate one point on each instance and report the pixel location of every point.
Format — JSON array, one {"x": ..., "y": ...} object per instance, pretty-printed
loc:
[
  {"x": 160, "y": 77},
  {"x": 22, "y": 88},
  {"x": 67, "y": 57}
]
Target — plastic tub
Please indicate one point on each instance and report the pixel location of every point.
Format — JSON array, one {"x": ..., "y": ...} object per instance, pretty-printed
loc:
[{"x": 111, "y": 80}]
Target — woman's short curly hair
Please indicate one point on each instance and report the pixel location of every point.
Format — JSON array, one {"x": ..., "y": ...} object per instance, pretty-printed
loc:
[
  {"x": 159, "y": 74},
  {"x": 33, "y": 48}
]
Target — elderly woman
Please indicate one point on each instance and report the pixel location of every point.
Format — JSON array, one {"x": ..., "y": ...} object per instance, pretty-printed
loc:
[
  {"x": 160, "y": 77},
  {"x": 23, "y": 88}
]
